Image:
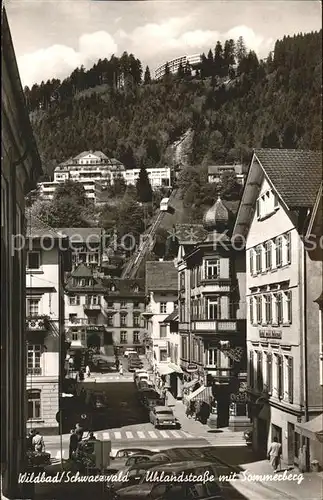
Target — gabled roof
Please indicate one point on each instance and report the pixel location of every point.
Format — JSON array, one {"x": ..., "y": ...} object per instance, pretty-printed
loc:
[
  {"x": 86, "y": 153},
  {"x": 161, "y": 276},
  {"x": 295, "y": 174},
  {"x": 82, "y": 271},
  {"x": 124, "y": 287},
  {"x": 315, "y": 222},
  {"x": 36, "y": 228}
]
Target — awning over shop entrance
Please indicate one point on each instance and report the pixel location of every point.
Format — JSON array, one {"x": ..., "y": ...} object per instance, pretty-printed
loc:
[
  {"x": 312, "y": 429},
  {"x": 175, "y": 368},
  {"x": 164, "y": 370},
  {"x": 203, "y": 393}
]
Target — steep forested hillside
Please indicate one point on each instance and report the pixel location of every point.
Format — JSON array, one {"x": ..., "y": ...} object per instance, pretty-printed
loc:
[{"x": 233, "y": 104}]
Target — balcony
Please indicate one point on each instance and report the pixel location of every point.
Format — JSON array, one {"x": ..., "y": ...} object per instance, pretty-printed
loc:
[
  {"x": 183, "y": 326},
  {"x": 92, "y": 308},
  {"x": 34, "y": 371},
  {"x": 37, "y": 324},
  {"x": 217, "y": 326}
]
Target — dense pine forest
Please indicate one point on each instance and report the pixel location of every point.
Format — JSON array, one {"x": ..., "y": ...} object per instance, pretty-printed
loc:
[{"x": 232, "y": 103}]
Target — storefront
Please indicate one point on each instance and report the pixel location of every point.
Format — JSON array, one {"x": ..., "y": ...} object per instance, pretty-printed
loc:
[{"x": 313, "y": 432}]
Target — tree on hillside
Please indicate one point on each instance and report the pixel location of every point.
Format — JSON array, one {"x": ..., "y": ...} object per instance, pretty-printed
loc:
[
  {"x": 187, "y": 69},
  {"x": 147, "y": 77},
  {"x": 228, "y": 56},
  {"x": 118, "y": 187},
  {"x": 143, "y": 187},
  {"x": 180, "y": 71},
  {"x": 241, "y": 51},
  {"x": 218, "y": 60},
  {"x": 71, "y": 190}
]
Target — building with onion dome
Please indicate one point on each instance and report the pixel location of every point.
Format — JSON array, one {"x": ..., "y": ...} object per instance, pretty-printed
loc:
[{"x": 212, "y": 319}]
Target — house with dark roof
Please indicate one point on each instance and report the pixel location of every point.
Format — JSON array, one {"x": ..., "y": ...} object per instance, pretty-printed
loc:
[
  {"x": 161, "y": 293},
  {"x": 283, "y": 286},
  {"x": 48, "y": 259}
]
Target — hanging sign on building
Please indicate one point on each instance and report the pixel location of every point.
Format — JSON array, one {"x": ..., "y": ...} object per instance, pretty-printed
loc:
[
  {"x": 234, "y": 353},
  {"x": 191, "y": 368},
  {"x": 270, "y": 334},
  {"x": 95, "y": 329}
]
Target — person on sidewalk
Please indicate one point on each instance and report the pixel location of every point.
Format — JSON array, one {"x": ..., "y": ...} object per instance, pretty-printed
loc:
[
  {"x": 274, "y": 454},
  {"x": 121, "y": 370},
  {"x": 38, "y": 442},
  {"x": 30, "y": 436},
  {"x": 74, "y": 440},
  {"x": 88, "y": 371},
  {"x": 79, "y": 432}
]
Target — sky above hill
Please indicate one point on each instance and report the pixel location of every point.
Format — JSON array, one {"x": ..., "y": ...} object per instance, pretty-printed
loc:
[{"x": 53, "y": 37}]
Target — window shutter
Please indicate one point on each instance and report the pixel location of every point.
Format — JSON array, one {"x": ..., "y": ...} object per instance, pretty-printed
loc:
[
  {"x": 251, "y": 261},
  {"x": 290, "y": 380},
  {"x": 251, "y": 310},
  {"x": 224, "y": 268}
]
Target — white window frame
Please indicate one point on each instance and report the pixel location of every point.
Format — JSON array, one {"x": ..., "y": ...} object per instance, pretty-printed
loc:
[
  {"x": 39, "y": 260},
  {"x": 136, "y": 319},
  {"x": 268, "y": 255},
  {"x": 163, "y": 307},
  {"x": 211, "y": 304},
  {"x": 259, "y": 309},
  {"x": 258, "y": 255},
  {"x": 123, "y": 319},
  {"x": 123, "y": 337},
  {"x": 269, "y": 372},
  {"x": 287, "y": 307},
  {"x": 252, "y": 310},
  {"x": 135, "y": 335},
  {"x": 212, "y": 269},
  {"x": 162, "y": 350},
  {"x": 34, "y": 352},
  {"x": 36, "y": 411},
  {"x": 276, "y": 319},
  {"x": 268, "y": 308},
  {"x": 29, "y": 313},
  {"x": 162, "y": 329},
  {"x": 279, "y": 251},
  {"x": 74, "y": 300}
]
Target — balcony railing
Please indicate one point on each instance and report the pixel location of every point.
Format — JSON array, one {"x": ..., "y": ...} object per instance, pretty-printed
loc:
[
  {"x": 80, "y": 322},
  {"x": 37, "y": 323},
  {"x": 92, "y": 307},
  {"x": 215, "y": 326},
  {"x": 183, "y": 325},
  {"x": 34, "y": 371}
]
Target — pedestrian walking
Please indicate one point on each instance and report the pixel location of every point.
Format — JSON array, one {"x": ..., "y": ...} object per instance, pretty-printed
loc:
[
  {"x": 121, "y": 370},
  {"x": 117, "y": 364},
  {"x": 79, "y": 432},
  {"x": 38, "y": 442},
  {"x": 81, "y": 375},
  {"x": 274, "y": 454},
  {"x": 74, "y": 440},
  {"x": 88, "y": 371},
  {"x": 30, "y": 436}
]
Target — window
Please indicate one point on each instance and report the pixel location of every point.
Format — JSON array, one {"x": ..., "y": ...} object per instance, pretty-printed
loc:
[
  {"x": 278, "y": 242},
  {"x": 251, "y": 370},
  {"x": 110, "y": 319},
  {"x": 110, "y": 304},
  {"x": 123, "y": 337},
  {"x": 123, "y": 304},
  {"x": 287, "y": 249},
  {"x": 259, "y": 309},
  {"x": 269, "y": 374},
  {"x": 212, "y": 354},
  {"x": 136, "y": 320},
  {"x": 213, "y": 309},
  {"x": 163, "y": 307},
  {"x": 33, "y": 260},
  {"x": 279, "y": 308},
  {"x": 162, "y": 331},
  {"x": 268, "y": 309},
  {"x": 251, "y": 301},
  {"x": 75, "y": 337},
  {"x": 268, "y": 255},
  {"x": 32, "y": 307},
  {"x": 212, "y": 269},
  {"x": 290, "y": 387},
  {"x": 182, "y": 280},
  {"x": 259, "y": 371},
  {"x": 123, "y": 320},
  {"x": 34, "y": 404},
  {"x": 136, "y": 305},
  {"x": 33, "y": 359},
  {"x": 251, "y": 261},
  {"x": 136, "y": 288},
  {"x": 163, "y": 354},
  {"x": 279, "y": 376},
  {"x": 288, "y": 301},
  {"x": 74, "y": 300},
  {"x": 258, "y": 259},
  {"x": 136, "y": 339}
]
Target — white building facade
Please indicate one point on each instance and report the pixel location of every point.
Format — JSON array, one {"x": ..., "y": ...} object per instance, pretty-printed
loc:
[
  {"x": 173, "y": 64},
  {"x": 158, "y": 177},
  {"x": 44, "y": 323}
]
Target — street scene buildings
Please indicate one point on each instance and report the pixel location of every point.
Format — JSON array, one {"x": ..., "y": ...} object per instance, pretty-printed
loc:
[{"x": 175, "y": 324}]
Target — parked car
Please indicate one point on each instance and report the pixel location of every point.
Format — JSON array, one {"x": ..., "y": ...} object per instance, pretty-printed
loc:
[
  {"x": 125, "y": 453},
  {"x": 163, "y": 416},
  {"x": 150, "y": 399},
  {"x": 209, "y": 490},
  {"x": 134, "y": 364},
  {"x": 142, "y": 377},
  {"x": 138, "y": 372},
  {"x": 128, "y": 351}
]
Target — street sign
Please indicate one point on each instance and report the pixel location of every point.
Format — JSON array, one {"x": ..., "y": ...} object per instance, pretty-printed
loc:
[{"x": 191, "y": 368}]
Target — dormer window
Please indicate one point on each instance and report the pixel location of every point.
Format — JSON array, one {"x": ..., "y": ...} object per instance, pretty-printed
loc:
[{"x": 266, "y": 204}]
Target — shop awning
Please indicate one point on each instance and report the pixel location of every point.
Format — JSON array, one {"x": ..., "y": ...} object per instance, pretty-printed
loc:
[
  {"x": 190, "y": 384},
  {"x": 312, "y": 429},
  {"x": 201, "y": 394},
  {"x": 164, "y": 370},
  {"x": 172, "y": 316},
  {"x": 175, "y": 368}
]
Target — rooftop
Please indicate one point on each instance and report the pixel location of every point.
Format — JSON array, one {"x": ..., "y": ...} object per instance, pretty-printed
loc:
[
  {"x": 295, "y": 174},
  {"x": 82, "y": 234},
  {"x": 124, "y": 287},
  {"x": 36, "y": 228},
  {"x": 161, "y": 276}
]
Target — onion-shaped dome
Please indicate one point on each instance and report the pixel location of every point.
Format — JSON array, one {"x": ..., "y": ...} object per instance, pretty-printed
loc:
[{"x": 216, "y": 217}]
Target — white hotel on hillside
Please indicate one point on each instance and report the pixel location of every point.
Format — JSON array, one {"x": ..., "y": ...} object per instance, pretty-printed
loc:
[{"x": 95, "y": 171}]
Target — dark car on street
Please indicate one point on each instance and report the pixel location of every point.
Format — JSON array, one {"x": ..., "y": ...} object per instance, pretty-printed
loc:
[
  {"x": 134, "y": 364},
  {"x": 172, "y": 490}
]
